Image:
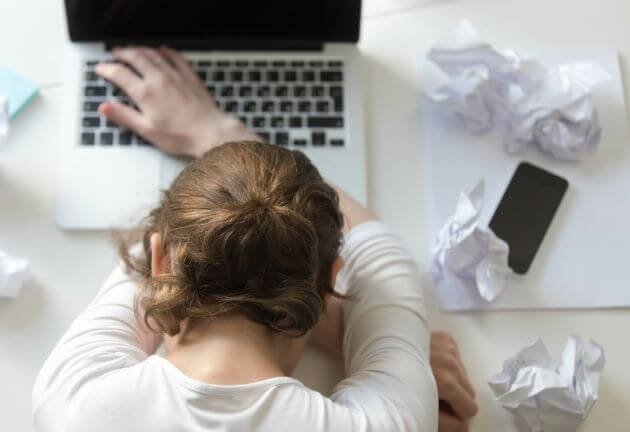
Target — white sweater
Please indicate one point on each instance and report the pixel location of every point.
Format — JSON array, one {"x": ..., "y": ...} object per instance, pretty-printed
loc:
[{"x": 103, "y": 375}]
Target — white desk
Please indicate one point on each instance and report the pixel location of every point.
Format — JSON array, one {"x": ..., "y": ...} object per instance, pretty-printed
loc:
[{"x": 69, "y": 268}]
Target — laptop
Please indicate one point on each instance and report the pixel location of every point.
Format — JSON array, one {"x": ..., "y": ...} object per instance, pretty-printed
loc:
[{"x": 288, "y": 69}]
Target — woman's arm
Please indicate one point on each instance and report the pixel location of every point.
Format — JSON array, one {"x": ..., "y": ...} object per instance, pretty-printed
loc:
[{"x": 104, "y": 338}]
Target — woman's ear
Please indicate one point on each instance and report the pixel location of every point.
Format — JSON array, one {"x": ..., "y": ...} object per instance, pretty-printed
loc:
[
  {"x": 160, "y": 262},
  {"x": 336, "y": 268}
]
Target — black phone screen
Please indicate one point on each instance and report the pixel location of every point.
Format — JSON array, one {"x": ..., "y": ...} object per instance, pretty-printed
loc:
[{"x": 526, "y": 211}]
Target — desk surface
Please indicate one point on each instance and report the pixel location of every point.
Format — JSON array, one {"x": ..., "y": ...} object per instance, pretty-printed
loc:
[{"x": 69, "y": 267}]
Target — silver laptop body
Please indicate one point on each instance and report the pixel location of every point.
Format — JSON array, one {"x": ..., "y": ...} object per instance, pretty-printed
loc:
[{"x": 304, "y": 99}]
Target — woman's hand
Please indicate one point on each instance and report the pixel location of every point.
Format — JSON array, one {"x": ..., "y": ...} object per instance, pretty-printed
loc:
[
  {"x": 457, "y": 396},
  {"x": 175, "y": 111}
]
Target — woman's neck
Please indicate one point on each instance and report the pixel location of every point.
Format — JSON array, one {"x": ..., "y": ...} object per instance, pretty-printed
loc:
[{"x": 228, "y": 350}]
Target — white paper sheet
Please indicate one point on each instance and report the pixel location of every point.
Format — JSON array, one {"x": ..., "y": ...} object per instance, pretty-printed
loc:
[
  {"x": 549, "y": 396},
  {"x": 467, "y": 259},
  {"x": 4, "y": 119},
  {"x": 574, "y": 256},
  {"x": 13, "y": 274},
  {"x": 534, "y": 104}
]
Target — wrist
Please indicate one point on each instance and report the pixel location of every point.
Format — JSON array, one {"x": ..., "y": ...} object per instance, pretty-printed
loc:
[{"x": 219, "y": 129}]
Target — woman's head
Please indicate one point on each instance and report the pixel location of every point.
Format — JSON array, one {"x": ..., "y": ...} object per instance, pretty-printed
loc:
[{"x": 248, "y": 229}]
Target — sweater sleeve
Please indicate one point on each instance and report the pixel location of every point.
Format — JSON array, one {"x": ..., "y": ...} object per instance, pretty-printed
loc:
[
  {"x": 105, "y": 337},
  {"x": 386, "y": 340}
]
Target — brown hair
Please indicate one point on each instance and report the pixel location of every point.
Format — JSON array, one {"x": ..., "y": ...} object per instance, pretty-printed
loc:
[{"x": 251, "y": 229}]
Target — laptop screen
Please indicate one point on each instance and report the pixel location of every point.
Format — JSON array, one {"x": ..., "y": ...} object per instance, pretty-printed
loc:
[{"x": 242, "y": 20}]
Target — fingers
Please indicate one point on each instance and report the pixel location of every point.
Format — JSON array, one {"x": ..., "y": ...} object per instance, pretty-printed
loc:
[
  {"x": 444, "y": 350},
  {"x": 450, "y": 390},
  {"x": 120, "y": 75},
  {"x": 136, "y": 58},
  {"x": 450, "y": 423},
  {"x": 163, "y": 64},
  {"x": 180, "y": 62},
  {"x": 452, "y": 380},
  {"x": 124, "y": 116}
]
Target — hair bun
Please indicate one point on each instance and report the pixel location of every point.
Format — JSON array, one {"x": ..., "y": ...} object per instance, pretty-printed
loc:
[{"x": 270, "y": 252}]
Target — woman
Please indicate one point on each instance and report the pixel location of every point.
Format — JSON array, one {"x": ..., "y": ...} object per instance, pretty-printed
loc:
[{"x": 245, "y": 259}]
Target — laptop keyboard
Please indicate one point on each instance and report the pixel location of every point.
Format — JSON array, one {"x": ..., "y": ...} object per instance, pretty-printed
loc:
[{"x": 296, "y": 103}]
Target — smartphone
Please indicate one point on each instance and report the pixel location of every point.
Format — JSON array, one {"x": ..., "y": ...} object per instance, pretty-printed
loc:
[{"x": 526, "y": 211}]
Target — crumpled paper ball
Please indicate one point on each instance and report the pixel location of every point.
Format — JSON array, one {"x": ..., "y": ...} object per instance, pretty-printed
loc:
[
  {"x": 13, "y": 273},
  {"x": 549, "y": 396},
  {"x": 536, "y": 105},
  {"x": 468, "y": 257}
]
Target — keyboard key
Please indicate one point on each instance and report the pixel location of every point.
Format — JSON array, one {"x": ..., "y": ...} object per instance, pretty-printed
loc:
[
  {"x": 268, "y": 106},
  {"x": 281, "y": 91},
  {"x": 87, "y": 138},
  {"x": 322, "y": 106},
  {"x": 338, "y": 104},
  {"x": 272, "y": 76},
  {"x": 205, "y": 63},
  {"x": 109, "y": 123},
  {"x": 95, "y": 91},
  {"x": 286, "y": 106},
  {"x": 335, "y": 64},
  {"x": 297, "y": 63},
  {"x": 336, "y": 142},
  {"x": 295, "y": 122},
  {"x": 91, "y": 121},
  {"x": 124, "y": 138},
  {"x": 258, "y": 122},
  {"x": 263, "y": 91},
  {"x": 282, "y": 138},
  {"x": 299, "y": 142},
  {"x": 90, "y": 106},
  {"x": 236, "y": 76},
  {"x": 91, "y": 62},
  {"x": 245, "y": 91},
  {"x": 117, "y": 91},
  {"x": 254, "y": 76},
  {"x": 227, "y": 91},
  {"x": 243, "y": 120},
  {"x": 335, "y": 91},
  {"x": 327, "y": 76},
  {"x": 91, "y": 76},
  {"x": 325, "y": 122},
  {"x": 241, "y": 63},
  {"x": 315, "y": 63},
  {"x": 249, "y": 106},
  {"x": 211, "y": 89},
  {"x": 278, "y": 63},
  {"x": 290, "y": 76},
  {"x": 277, "y": 122},
  {"x": 231, "y": 106},
  {"x": 318, "y": 138},
  {"x": 308, "y": 76},
  {"x": 304, "y": 106},
  {"x": 299, "y": 91},
  {"x": 317, "y": 91},
  {"x": 107, "y": 138},
  {"x": 260, "y": 63},
  {"x": 223, "y": 63},
  {"x": 202, "y": 75},
  {"x": 218, "y": 76}
]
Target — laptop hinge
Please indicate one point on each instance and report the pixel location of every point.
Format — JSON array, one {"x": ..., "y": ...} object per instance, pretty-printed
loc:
[{"x": 220, "y": 44}]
